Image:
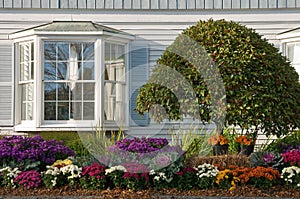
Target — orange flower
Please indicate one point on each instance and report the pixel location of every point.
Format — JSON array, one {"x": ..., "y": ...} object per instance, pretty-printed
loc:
[
  {"x": 244, "y": 140},
  {"x": 218, "y": 140}
]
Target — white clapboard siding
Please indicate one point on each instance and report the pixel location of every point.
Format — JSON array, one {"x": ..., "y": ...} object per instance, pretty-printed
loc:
[
  {"x": 6, "y": 84},
  {"x": 151, "y": 4}
]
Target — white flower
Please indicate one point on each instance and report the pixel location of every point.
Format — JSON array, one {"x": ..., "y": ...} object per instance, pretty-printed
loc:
[
  {"x": 156, "y": 178},
  {"x": 54, "y": 181},
  {"x": 290, "y": 174},
  {"x": 152, "y": 172},
  {"x": 115, "y": 168},
  {"x": 206, "y": 170}
]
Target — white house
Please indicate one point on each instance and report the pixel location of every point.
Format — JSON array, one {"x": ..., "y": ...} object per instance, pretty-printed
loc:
[{"x": 73, "y": 64}]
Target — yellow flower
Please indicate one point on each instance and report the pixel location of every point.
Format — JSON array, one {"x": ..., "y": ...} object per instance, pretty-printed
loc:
[{"x": 62, "y": 163}]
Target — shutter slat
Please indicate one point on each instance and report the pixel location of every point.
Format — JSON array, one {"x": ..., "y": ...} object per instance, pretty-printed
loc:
[
  {"x": 138, "y": 77},
  {"x": 6, "y": 82}
]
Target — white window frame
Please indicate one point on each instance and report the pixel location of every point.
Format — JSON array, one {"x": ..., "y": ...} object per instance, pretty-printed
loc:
[
  {"x": 38, "y": 122},
  {"x": 69, "y": 123},
  {"x": 296, "y": 60},
  {"x": 123, "y": 118}
]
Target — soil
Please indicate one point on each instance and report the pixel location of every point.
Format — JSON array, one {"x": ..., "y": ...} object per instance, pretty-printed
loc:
[{"x": 242, "y": 191}]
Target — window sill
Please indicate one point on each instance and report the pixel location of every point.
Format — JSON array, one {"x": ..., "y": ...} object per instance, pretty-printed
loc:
[{"x": 67, "y": 126}]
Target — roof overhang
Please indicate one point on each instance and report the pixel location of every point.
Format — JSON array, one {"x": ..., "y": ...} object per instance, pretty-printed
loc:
[
  {"x": 289, "y": 36},
  {"x": 72, "y": 28}
]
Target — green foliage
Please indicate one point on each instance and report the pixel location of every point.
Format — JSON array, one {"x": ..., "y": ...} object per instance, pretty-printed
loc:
[
  {"x": 290, "y": 140},
  {"x": 193, "y": 142},
  {"x": 185, "y": 179},
  {"x": 66, "y": 137},
  {"x": 78, "y": 147},
  {"x": 69, "y": 138},
  {"x": 230, "y": 134},
  {"x": 262, "y": 88},
  {"x": 98, "y": 140}
]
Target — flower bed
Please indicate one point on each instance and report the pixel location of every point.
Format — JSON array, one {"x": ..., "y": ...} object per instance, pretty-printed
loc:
[{"x": 138, "y": 176}]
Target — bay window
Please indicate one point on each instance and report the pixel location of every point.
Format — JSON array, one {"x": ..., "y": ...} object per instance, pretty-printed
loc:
[
  {"x": 69, "y": 83},
  {"x": 71, "y": 75}
]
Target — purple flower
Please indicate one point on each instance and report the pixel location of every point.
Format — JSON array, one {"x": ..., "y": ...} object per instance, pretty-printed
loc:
[
  {"x": 21, "y": 148},
  {"x": 140, "y": 145},
  {"x": 268, "y": 157}
]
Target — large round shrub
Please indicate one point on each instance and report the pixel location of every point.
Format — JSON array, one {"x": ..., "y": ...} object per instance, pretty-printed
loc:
[{"x": 262, "y": 88}]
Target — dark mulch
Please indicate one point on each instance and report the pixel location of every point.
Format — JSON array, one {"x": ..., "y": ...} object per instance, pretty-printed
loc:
[{"x": 67, "y": 192}]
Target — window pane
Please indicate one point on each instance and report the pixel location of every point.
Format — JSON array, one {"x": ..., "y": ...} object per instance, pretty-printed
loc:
[
  {"x": 62, "y": 69},
  {"x": 76, "y": 93},
  {"x": 22, "y": 71},
  {"x": 23, "y": 110},
  {"x": 32, "y": 51},
  {"x": 63, "y": 91},
  {"x": 50, "y": 111},
  {"x": 26, "y": 87},
  {"x": 88, "y": 71},
  {"x": 77, "y": 110},
  {"x": 88, "y": 111},
  {"x": 50, "y": 91},
  {"x": 115, "y": 81},
  {"x": 29, "y": 91},
  {"x": 63, "y": 111},
  {"x": 88, "y": 51},
  {"x": 88, "y": 91},
  {"x": 296, "y": 53},
  {"x": 49, "y": 71},
  {"x": 62, "y": 52},
  {"x": 27, "y": 110},
  {"x": 32, "y": 70},
  {"x": 76, "y": 48},
  {"x": 21, "y": 53},
  {"x": 109, "y": 101},
  {"x": 49, "y": 51},
  {"x": 66, "y": 74}
]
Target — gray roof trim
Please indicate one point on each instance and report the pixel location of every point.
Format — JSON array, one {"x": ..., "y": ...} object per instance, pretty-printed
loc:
[{"x": 72, "y": 28}]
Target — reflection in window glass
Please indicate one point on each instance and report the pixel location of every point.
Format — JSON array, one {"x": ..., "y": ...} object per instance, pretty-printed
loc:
[
  {"x": 114, "y": 82},
  {"x": 293, "y": 54},
  {"x": 68, "y": 80},
  {"x": 26, "y": 65}
]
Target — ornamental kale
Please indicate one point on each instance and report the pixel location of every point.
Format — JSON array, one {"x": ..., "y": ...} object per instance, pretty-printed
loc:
[
  {"x": 153, "y": 152},
  {"x": 141, "y": 145},
  {"x": 19, "y": 150}
]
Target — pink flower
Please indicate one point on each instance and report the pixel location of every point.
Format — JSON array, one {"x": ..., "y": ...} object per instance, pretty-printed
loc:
[
  {"x": 292, "y": 157},
  {"x": 95, "y": 170}
]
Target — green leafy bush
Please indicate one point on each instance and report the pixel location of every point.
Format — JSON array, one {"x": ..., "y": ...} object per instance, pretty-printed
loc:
[{"x": 262, "y": 88}]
